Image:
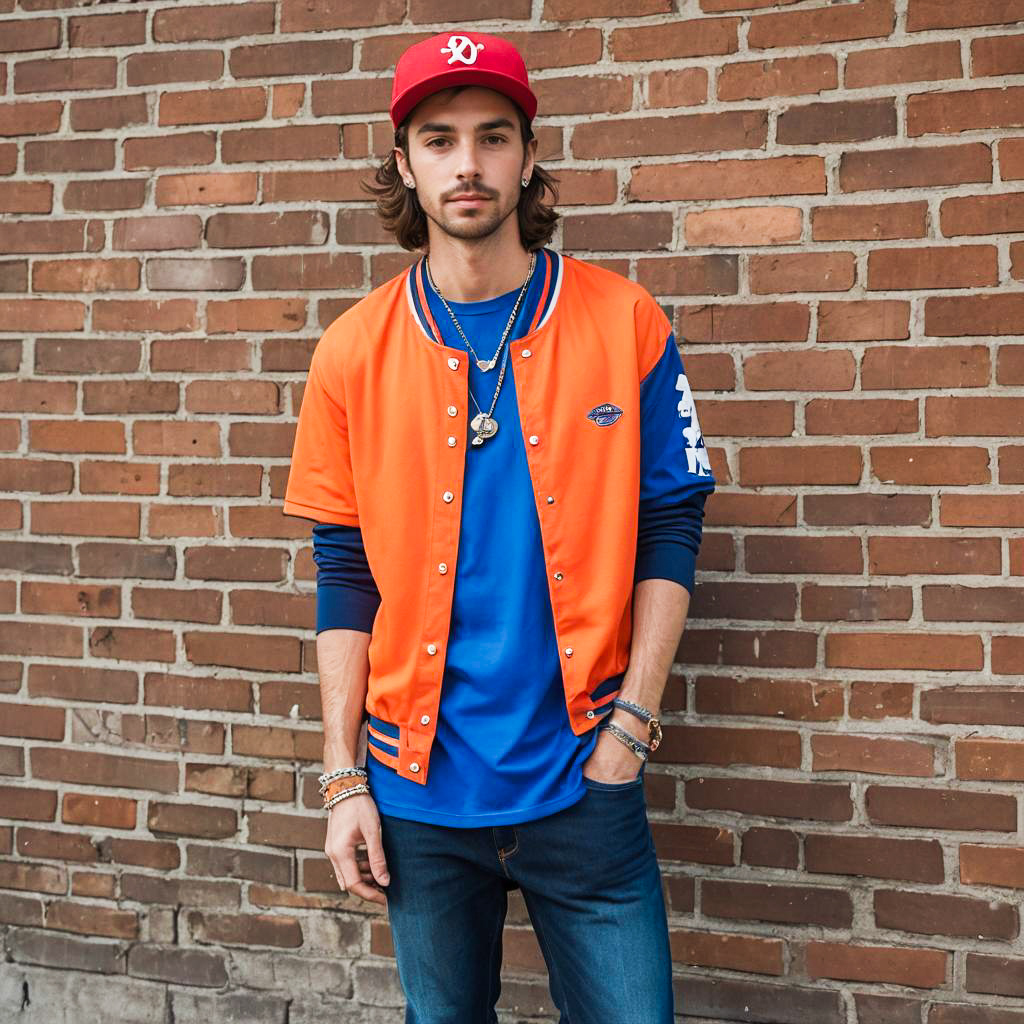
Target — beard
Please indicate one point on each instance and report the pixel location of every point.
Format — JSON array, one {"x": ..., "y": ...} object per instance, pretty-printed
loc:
[{"x": 472, "y": 222}]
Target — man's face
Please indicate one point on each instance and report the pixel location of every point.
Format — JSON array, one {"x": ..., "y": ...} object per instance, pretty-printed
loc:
[{"x": 467, "y": 159}]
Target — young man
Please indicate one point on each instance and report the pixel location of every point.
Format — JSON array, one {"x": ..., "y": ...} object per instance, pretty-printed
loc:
[{"x": 501, "y": 453}]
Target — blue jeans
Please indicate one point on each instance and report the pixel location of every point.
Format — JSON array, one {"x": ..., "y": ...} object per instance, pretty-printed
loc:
[{"x": 592, "y": 887}]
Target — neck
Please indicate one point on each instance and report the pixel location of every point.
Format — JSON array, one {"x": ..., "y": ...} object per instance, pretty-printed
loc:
[{"x": 478, "y": 269}]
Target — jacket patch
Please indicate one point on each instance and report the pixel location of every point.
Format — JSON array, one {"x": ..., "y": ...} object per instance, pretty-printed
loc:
[{"x": 605, "y": 414}]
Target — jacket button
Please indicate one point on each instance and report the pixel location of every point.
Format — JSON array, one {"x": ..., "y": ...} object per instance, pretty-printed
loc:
[
  {"x": 414, "y": 767},
  {"x": 534, "y": 439},
  {"x": 453, "y": 363},
  {"x": 425, "y": 720},
  {"x": 447, "y": 495},
  {"x": 568, "y": 652},
  {"x": 590, "y": 714},
  {"x": 527, "y": 353},
  {"x": 551, "y": 500},
  {"x": 431, "y": 648},
  {"x": 442, "y": 568},
  {"x": 558, "y": 575},
  {"x": 452, "y": 441},
  {"x": 452, "y": 411}
]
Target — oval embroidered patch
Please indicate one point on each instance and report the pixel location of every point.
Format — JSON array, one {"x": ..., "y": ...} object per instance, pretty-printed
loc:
[{"x": 605, "y": 414}]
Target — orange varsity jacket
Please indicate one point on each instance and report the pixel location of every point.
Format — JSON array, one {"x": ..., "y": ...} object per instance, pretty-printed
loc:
[{"x": 381, "y": 444}]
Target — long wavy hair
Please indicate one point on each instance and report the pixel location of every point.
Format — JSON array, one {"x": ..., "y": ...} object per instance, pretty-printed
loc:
[{"x": 401, "y": 213}]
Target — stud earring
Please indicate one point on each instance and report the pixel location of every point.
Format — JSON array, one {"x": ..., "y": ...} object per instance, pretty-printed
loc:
[
  {"x": 526, "y": 181},
  {"x": 410, "y": 184}
]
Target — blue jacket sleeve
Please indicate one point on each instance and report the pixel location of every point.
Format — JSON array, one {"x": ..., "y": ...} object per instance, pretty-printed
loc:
[
  {"x": 676, "y": 474},
  {"x": 346, "y": 594}
]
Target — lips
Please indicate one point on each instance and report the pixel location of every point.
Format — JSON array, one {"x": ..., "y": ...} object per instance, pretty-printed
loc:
[{"x": 468, "y": 199}]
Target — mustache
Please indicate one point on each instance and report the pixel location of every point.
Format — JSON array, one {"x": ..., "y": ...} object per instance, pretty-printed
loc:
[{"x": 479, "y": 190}]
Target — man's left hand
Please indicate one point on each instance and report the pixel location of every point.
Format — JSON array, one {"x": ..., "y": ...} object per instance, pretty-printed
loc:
[{"x": 611, "y": 760}]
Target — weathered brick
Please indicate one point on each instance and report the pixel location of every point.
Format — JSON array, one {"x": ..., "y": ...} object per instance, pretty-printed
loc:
[
  {"x": 213, "y": 21},
  {"x": 306, "y": 57},
  {"x": 784, "y": 76},
  {"x": 729, "y": 179},
  {"x": 915, "y": 167},
  {"x": 127, "y": 29},
  {"x": 65, "y": 74},
  {"x": 924, "y": 63}
]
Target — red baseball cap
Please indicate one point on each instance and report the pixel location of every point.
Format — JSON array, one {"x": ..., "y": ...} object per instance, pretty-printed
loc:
[{"x": 460, "y": 58}]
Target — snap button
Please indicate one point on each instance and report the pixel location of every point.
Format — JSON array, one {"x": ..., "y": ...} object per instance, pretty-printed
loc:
[
  {"x": 453, "y": 363},
  {"x": 447, "y": 495},
  {"x": 568, "y": 652},
  {"x": 425, "y": 720},
  {"x": 414, "y": 767},
  {"x": 442, "y": 568},
  {"x": 534, "y": 439},
  {"x": 551, "y": 500},
  {"x": 590, "y": 714},
  {"x": 431, "y": 648},
  {"x": 527, "y": 353},
  {"x": 452, "y": 442},
  {"x": 452, "y": 411},
  {"x": 558, "y": 575}
]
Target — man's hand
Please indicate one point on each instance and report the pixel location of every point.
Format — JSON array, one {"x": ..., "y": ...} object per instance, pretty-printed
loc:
[
  {"x": 612, "y": 760},
  {"x": 354, "y": 823}
]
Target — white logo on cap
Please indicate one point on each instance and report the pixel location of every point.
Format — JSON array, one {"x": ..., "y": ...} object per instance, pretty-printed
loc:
[{"x": 457, "y": 47}]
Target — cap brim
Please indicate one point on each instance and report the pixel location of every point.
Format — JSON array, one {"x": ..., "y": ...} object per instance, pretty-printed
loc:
[{"x": 508, "y": 86}]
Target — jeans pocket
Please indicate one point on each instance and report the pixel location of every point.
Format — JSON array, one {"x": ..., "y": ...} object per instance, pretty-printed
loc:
[{"x": 613, "y": 787}]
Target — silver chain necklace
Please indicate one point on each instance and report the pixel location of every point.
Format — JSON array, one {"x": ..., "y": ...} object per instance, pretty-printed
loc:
[{"x": 485, "y": 424}]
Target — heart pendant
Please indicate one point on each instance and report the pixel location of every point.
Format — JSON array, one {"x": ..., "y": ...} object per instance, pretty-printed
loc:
[
  {"x": 485, "y": 364},
  {"x": 485, "y": 426}
]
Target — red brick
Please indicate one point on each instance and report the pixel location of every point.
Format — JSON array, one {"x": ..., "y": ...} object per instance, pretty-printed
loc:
[
  {"x": 591, "y": 95},
  {"x": 108, "y": 112},
  {"x": 41, "y": 315},
  {"x": 186, "y": 275},
  {"x": 861, "y": 416},
  {"x": 917, "y": 167},
  {"x": 305, "y": 186},
  {"x": 902, "y": 556},
  {"x": 685, "y": 87},
  {"x": 170, "y": 150},
  {"x": 997, "y": 55},
  {"x": 929, "y": 651},
  {"x": 974, "y": 417},
  {"x": 240, "y": 315},
  {"x": 244, "y": 230},
  {"x": 617, "y": 231},
  {"x": 160, "y": 66},
  {"x": 324, "y": 271},
  {"x": 949, "y": 112},
  {"x": 790, "y": 554},
  {"x": 169, "y": 315},
  {"x": 802, "y": 272},
  {"x": 925, "y": 14},
  {"x": 803, "y": 370},
  {"x": 351, "y": 96},
  {"x": 26, "y": 197},
  {"x": 867, "y": 509},
  {"x": 710, "y": 371},
  {"x": 869, "y": 222},
  {"x": 982, "y": 215},
  {"x": 734, "y": 509},
  {"x": 849, "y": 121},
  {"x": 689, "y": 275},
  {"x": 70, "y": 155},
  {"x": 303, "y": 58},
  {"x": 729, "y": 179},
  {"x": 930, "y": 466},
  {"x": 744, "y": 225},
  {"x": 213, "y": 106},
  {"x": 784, "y": 76},
  {"x": 32, "y": 118},
  {"x": 35, "y": 236},
  {"x": 1010, "y": 365},
  {"x": 1011, "y": 464},
  {"x": 734, "y": 418},
  {"x": 863, "y": 320},
  {"x": 287, "y": 99},
  {"x": 772, "y": 321},
  {"x": 8, "y": 158},
  {"x": 65, "y": 74},
  {"x": 864, "y": 20},
  {"x": 108, "y": 29},
  {"x": 1008, "y": 655},
  {"x": 923, "y": 267},
  {"x": 983, "y": 510},
  {"x": 674, "y": 40},
  {"x": 925, "y": 63},
  {"x": 1011, "y": 159},
  {"x": 973, "y": 315},
  {"x": 320, "y": 15},
  {"x": 182, "y": 231},
  {"x": 855, "y": 604},
  {"x": 1017, "y": 261},
  {"x": 573, "y": 10},
  {"x": 13, "y": 278},
  {"x": 25, "y": 34},
  {"x": 206, "y": 189},
  {"x": 799, "y": 464},
  {"x": 971, "y": 604},
  {"x": 670, "y": 135},
  {"x": 924, "y": 968},
  {"x": 295, "y": 142},
  {"x": 99, "y": 275},
  {"x": 214, "y": 21},
  {"x": 947, "y": 366},
  {"x": 115, "y": 194}
]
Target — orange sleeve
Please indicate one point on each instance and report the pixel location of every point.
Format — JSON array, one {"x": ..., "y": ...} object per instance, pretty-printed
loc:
[{"x": 320, "y": 485}]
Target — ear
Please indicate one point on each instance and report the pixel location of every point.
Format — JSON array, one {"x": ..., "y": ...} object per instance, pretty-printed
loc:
[
  {"x": 529, "y": 158},
  {"x": 402, "y": 162}
]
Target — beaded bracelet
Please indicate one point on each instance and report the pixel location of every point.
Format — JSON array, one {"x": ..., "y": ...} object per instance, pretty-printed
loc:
[
  {"x": 346, "y": 793},
  {"x": 339, "y": 773}
]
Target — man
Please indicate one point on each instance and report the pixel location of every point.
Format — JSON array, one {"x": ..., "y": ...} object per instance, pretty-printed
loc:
[{"x": 497, "y": 446}]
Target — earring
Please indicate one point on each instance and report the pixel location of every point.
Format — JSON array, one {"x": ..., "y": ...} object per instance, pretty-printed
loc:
[
  {"x": 410, "y": 184},
  {"x": 526, "y": 181}
]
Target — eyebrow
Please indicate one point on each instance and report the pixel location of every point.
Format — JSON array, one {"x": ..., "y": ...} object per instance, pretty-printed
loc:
[{"x": 484, "y": 126}]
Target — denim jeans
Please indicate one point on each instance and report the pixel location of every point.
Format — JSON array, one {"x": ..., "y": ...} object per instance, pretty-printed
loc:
[{"x": 592, "y": 887}]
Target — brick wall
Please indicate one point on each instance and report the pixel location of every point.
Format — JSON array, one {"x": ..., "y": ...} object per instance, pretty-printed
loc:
[{"x": 827, "y": 199}]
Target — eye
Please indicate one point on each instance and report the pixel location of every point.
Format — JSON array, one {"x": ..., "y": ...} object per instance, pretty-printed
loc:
[
  {"x": 494, "y": 138},
  {"x": 438, "y": 139}
]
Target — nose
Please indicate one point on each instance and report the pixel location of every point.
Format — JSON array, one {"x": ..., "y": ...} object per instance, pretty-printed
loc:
[{"x": 468, "y": 165}]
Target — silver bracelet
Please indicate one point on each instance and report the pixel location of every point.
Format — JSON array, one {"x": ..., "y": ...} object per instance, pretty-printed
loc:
[
  {"x": 639, "y": 748},
  {"x": 346, "y": 793}
]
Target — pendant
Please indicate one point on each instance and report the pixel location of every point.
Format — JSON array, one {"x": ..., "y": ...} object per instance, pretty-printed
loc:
[
  {"x": 485, "y": 427},
  {"x": 486, "y": 364}
]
